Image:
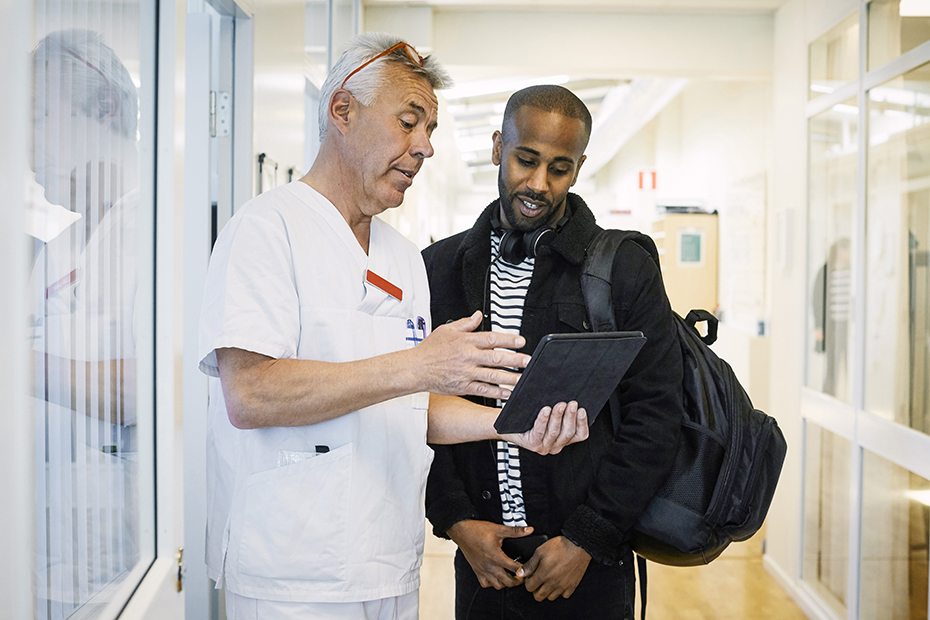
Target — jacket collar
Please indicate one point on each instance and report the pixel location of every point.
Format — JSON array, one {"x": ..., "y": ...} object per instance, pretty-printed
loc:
[{"x": 474, "y": 255}]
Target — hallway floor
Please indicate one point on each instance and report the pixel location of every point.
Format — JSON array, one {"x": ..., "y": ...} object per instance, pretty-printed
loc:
[{"x": 733, "y": 587}]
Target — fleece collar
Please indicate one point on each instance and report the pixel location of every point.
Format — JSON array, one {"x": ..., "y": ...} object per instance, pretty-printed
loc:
[{"x": 474, "y": 255}]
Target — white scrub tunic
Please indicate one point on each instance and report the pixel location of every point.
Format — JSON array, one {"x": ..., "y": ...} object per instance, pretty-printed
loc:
[{"x": 334, "y": 511}]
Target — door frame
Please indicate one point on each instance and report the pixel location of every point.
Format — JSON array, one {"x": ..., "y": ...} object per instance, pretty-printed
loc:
[{"x": 235, "y": 178}]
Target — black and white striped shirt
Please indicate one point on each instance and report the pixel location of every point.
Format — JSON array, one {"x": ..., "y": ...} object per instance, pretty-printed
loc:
[{"x": 509, "y": 284}]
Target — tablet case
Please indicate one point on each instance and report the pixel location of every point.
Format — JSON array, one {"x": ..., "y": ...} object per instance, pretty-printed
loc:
[{"x": 583, "y": 367}]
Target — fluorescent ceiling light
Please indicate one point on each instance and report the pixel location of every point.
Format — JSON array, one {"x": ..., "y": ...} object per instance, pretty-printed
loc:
[
  {"x": 914, "y": 8},
  {"x": 480, "y": 88},
  {"x": 846, "y": 108},
  {"x": 919, "y": 496},
  {"x": 820, "y": 88}
]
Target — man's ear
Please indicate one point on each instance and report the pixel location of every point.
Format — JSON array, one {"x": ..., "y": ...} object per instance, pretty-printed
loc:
[
  {"x": 496, "y": 148},
  {"x": 578, "y": 169},
  {"x": 340, "y": 105}
]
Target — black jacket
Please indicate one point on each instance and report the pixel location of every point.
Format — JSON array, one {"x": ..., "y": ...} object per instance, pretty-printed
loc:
[{"x": 591, "y": 492}]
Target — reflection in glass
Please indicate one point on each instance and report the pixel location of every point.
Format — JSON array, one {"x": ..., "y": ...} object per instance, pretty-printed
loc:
[
  {"x": 897, "y": 382},
  {"x": 896, "y": 27},
  {"x": 834, "y": 57},
  {"x": 826, "y": 516},
  {"x": 895, "y": 520},
  {"x": 832, "y": 197},
  {"x": 83, "y": 302}
]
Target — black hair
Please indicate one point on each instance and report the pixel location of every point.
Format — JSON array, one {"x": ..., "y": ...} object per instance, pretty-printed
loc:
[{"x": 549, "y": 98}]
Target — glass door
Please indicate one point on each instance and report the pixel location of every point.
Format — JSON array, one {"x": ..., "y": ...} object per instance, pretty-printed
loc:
[{"x": 90, "y": 222}]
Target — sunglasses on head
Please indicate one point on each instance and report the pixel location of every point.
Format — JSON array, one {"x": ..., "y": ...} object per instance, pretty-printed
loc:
[{"x": 412, "y": 53}]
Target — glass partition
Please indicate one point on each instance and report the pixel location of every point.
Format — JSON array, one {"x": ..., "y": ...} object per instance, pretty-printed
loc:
[
  {"x": 833, "y": 148},
  {"x": 895, "y": 520},
  {"x": 896, "y": 27},
  {"x": 826, "y": 516},
  {"x": 88, "y": 222},
  {"x": 897, "y": 378},
  {"x": 834, "y": 58}
]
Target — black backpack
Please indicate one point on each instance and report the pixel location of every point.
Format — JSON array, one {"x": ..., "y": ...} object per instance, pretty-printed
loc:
[{"x": 730, "y": 454}]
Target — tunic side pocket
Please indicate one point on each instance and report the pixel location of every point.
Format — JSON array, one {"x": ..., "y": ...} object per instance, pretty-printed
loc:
[{"x": 294, "y": 521}]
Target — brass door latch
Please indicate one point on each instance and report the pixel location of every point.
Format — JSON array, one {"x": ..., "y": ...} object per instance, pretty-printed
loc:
[{"x": 179, "y": 555}]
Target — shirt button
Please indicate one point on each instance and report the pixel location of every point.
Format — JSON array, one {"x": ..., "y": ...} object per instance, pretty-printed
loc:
[
  {"x": 585, "y": 325},
  {"x": 486, "y": 494}
]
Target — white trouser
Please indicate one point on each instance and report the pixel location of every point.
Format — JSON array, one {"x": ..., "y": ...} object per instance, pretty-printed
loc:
[{"x": 405, "y": 607}]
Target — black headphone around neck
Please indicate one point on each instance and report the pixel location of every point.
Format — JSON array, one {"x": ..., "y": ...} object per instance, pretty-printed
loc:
[{"x": 517, "y": 245}]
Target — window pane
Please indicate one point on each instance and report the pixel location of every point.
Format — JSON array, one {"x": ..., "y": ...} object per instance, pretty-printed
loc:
[
  {"x": 897, "y": 383},
  {"x": 84, "y": 324},
  {"x": 895, "y": 518},
  {"x": 826, "y": 516},
  {"x": 834, "y": 57},
  {"x": 832, "y": 199},
  {"x": 896, "y": 26}
]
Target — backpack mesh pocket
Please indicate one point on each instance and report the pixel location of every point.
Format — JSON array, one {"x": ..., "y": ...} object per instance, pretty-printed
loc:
[{"x": 698, "y": 460}]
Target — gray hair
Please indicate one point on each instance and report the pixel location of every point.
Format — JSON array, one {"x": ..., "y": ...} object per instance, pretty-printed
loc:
[
  {"x": 94, "y": 71},
  {"x": 367, "y": 83}
]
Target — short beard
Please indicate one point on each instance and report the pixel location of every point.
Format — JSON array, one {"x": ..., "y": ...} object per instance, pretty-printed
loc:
[{"x": 516, "y": 221}]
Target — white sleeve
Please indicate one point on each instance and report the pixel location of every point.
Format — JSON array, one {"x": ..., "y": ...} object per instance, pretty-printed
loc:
[{"x": 250, "y": 298}]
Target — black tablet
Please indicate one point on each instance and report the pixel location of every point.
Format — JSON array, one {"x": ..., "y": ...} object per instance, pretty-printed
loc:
[{"x": 582, "y": 367}]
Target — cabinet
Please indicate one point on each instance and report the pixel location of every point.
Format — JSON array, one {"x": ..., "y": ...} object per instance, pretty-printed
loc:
[{"x": 687, "y": 244}]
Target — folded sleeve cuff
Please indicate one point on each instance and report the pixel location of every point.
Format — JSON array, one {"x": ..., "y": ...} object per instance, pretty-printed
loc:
[
  {"x": 449, "y": 510},
  {"x": 593, "y": 533}
]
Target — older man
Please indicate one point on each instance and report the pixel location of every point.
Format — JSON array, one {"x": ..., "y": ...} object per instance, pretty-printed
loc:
[{"x": 316, "y": 331}]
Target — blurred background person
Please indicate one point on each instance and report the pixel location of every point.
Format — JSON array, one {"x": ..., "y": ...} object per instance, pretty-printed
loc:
[
  {"x": 832, "y": 305},
  {"x": 83, "y": 290}
]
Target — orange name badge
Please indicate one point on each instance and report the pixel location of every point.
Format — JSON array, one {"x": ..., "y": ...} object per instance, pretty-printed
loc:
[
  {"x": 60, "y": 284},
  {"x": 377, "y": 281}
]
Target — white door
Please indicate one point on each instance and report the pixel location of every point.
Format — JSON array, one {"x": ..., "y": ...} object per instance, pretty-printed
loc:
[{"x": 218, "y": 65}]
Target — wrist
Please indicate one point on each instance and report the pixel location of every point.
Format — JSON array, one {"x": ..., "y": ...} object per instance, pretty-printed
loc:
[
  {"x": 410, "y": 373},
  {"x": 488, "y": 417},
  {"x": 456, "y": 530}
]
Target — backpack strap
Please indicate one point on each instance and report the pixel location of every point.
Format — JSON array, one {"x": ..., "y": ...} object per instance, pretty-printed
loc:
[
  {"x": 596, "y": 279},
  {"x": 596, "y": 288},
  {"x": 597, "y": 273},
  {"x": 696, "y": 316},
  {"x": 641, "y": 567}
]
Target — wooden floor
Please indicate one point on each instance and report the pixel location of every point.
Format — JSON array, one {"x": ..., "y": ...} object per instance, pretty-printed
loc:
[{"x": 733, "y": 587}]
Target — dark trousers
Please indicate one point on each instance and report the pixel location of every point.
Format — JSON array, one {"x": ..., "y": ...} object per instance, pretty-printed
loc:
[{"x": 605, "y": 593}]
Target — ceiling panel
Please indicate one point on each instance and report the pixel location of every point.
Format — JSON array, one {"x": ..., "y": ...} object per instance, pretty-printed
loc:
[{"x": 638, "y": 6}]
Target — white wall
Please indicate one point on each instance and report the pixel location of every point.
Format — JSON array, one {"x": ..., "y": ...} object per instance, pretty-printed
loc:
[
  {"x": 710, "y": 146},
  {"x": 631, "y": 208},
  {"x": 714, "y": 134},
  {"x": 598, "y": 43},
  {"x": 786, "y": 278}
]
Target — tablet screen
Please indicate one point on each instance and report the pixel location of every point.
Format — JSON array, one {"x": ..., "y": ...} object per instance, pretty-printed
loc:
[{"x": 584, "y": 367}]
